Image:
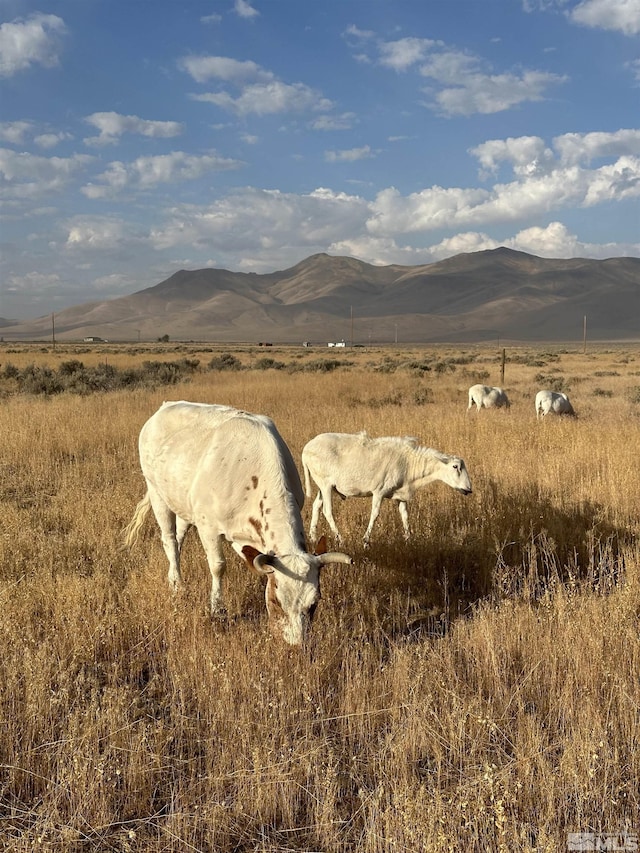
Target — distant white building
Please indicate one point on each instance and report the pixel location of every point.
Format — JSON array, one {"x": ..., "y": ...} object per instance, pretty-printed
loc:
[
  {"x": 92, "y": 339},
  {"x": 336, "y": 344}
]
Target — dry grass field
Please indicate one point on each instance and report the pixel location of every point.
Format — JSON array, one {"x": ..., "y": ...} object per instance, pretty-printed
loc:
[{"x": 474, "y": 689}]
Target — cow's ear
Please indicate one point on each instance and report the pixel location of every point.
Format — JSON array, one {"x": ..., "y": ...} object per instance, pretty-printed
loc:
[
  {"x": 261, "y": 563},
  {"x": 249, "y": 553},
  {"x": 321, "y": 546}
]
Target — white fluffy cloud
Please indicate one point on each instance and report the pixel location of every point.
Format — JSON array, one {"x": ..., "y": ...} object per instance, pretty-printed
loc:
[
  {"x": 527, "y": 154},
  {"x": 36, "y": 40},
  {"x": 100, "y": 234},
  {"x": 268, "y": 98},
  {"x": 404, "y": 53},
  {"x": 531, "y": 195},
  {"x": 14, "y": 132},
  {"x": 252, "y": 220},
  {"x": 259, "y": 91},
  {"x": 27, "y": 176},
  {"x": 462, "y": 83},
  {"x": 621, "y": 15},
  {"x": 112, "y": 125},
  {"x": 245, "y": 10},
  {"x": 205, "y": 68},
  {"x": 493, "y": 93},
  {"x": 349, "y": 155},
  {"x": 148, "y": 172}
]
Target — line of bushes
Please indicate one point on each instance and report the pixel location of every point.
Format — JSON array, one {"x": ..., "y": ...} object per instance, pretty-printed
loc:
[{"x": 75, "y": 378}]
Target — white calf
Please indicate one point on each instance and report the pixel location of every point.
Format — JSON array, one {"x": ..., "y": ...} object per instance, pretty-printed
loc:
[
  {"x": 388, "y": 467},
  {"x": 487, "y": 396},
  {"x": 552, "y": 402}
]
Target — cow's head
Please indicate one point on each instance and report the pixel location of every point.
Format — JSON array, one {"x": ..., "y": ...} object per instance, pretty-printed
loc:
[{"x": 293, "y": 587}]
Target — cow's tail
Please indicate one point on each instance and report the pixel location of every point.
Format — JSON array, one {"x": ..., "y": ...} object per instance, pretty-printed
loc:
[
  {"x": 307, "y": 479},
  {"x": 132, "y": 530}
]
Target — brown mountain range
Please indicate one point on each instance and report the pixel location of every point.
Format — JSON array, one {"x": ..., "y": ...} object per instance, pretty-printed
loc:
[{"x": 471, "y": 297}]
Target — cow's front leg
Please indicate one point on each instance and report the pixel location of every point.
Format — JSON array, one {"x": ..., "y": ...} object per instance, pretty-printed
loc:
[
  {"x": 404, "y": 515},
  {"x": 212, "y": 544}
]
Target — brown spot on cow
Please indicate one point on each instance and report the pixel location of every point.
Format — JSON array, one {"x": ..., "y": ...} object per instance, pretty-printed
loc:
[
  {"x": 254, "y": 480},
  {"x": 274, "y": 608},
  {"x": 257, "y": 526}
]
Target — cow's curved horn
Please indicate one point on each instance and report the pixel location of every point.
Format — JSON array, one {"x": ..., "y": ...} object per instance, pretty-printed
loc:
[
  {"x": 262, "y": 564},
  {"x": 335, "y": 557}
]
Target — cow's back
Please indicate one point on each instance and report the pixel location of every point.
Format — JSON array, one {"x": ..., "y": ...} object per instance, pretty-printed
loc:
[
  {"x": 356, "y": 464},
  {"x": 215, "y": 459}
]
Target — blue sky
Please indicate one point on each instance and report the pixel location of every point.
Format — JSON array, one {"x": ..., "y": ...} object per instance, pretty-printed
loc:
[{"x": 142, "y": 137}]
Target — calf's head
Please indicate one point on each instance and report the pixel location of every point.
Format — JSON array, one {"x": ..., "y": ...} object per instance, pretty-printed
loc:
[
  {"x": 455, "y": 474},
  {"x": 293, "y": 587}
]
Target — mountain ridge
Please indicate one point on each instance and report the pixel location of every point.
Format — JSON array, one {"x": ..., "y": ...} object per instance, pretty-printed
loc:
[{"x": 468, "y": 297}]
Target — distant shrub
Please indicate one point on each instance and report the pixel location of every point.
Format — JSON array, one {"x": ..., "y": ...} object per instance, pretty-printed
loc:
[
  {"x": 463, "y": 359},
  {"x": 166, "y": 372},
  {"x": 40, "y": 380},
  {"x": 476, "y": 376},
  {"x": 396, "y": 398},
  {"x": 269, "y": 364},
  {"x": 10, "y": 371},
  {"x": 225, "y": 361},
  {"x": 67, "y": 368},
  {"x": 322, "y": 365},
  {"x": 552, "y": 383},
  {"x": 419, "y": 367},
  {"x": 602, "y": 392},
  {"x": 634, "y": 394}
]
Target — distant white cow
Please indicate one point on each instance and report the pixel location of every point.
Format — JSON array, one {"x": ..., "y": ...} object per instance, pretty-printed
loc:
[
  {"x": 552, "y": 402},
  {"x": 388, "y": 467},
  {"x": 231, "y": 475},
  {"x": 487, "y": 396}
]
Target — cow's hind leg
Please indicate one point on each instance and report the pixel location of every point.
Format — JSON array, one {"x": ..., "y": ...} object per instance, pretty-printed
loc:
[
  {"x": 327, "y": 509},
  {"x": 376, "y": 502},
  {"x": 167, "y": 524}
]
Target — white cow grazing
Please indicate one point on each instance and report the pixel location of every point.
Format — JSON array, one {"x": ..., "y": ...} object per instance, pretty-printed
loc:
[
  {"x": 552, "y": 402},
  {"x": 388, "y": 467},
  {"x": 487, "y": 396},
  {"x": 231, "y": 475}
]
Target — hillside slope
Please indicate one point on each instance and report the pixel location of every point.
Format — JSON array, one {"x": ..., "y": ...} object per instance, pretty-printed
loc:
[{"x": 469, "y": 297}]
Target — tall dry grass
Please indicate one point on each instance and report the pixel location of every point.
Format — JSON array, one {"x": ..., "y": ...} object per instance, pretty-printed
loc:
[{"x": 474, "y": 689}]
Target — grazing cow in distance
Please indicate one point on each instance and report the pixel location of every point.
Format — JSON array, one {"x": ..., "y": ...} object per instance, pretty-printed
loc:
[
  {"x": 360, "y": 466},
  {"x": 487, "y": 396},
  {"x": 231, "y": 475},
  {"x": 552, "y": 402}
]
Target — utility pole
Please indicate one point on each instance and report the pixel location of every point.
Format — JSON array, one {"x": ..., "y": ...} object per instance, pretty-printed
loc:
[
  {"x": 584, "y": 335},
  {"x": 396, "y": 325},
  {"x": 53, "y": 329},
  {"x": 352, "y": 327}
]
